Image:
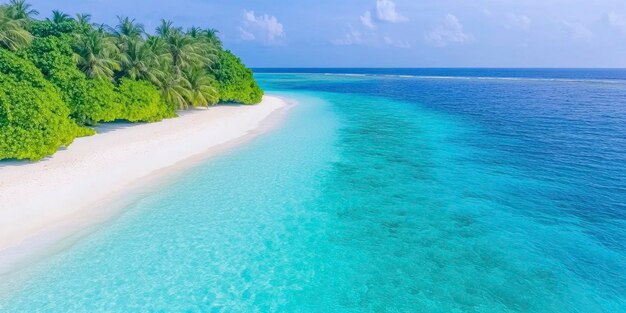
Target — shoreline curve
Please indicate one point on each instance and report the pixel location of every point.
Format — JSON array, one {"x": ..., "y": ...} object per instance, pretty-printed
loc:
[{"x": 48, "y": 205}]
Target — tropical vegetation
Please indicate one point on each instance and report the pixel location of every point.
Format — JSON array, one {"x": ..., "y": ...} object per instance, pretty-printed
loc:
[{"x": 62, "y": 75}]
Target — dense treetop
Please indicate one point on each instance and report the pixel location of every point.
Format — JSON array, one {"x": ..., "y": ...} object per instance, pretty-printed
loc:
[{"x": 60, "y": 75}]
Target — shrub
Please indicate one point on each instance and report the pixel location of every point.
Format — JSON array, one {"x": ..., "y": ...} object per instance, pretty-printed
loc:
[
  {"x": 53, "y": 56},
  {"x": 141, "y": 101},
  {"x": 102, "y": 102},
  {"x": 236, "y": 82},
  {"x": 47, "y": 28},
  {"x": 34, "y": 121}
]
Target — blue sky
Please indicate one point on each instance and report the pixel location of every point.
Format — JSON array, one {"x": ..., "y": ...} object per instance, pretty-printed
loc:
[{"x": 392, "y": 33}]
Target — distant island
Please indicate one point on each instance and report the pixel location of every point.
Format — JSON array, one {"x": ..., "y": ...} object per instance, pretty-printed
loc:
[{"x": 63, "y": 75}]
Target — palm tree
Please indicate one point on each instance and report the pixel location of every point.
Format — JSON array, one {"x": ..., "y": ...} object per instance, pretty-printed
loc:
[
  {"x": 94, "y": 53},
  {"x": 211, "y": 45},
  {"x": 139, "y": 61},
  {"x": 19, "y": 10},
  {"x": 211, "y": 36},
  {"x": 129, "y": 36},
  {"x": 13, "y": 35},
  {"x": 207, "y": 41},
  {"x": 183, "y": 51},
  {"x": 127, "y": 29},
  {"x": 165, "y": 29},
  {"x": 201, "y": 88},
  {"x": 85, "y": 26},
  {"x": 59, "y": 17},
  {"x": 174, "y": 89},
  {"x": 83, "y": 19},
  {"x": 156, "y": 44},
  {"x": 195, "y": 32}
]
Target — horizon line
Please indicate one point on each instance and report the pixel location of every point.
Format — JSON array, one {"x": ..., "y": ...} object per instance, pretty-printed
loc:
[{"x": 463, "y": 67}]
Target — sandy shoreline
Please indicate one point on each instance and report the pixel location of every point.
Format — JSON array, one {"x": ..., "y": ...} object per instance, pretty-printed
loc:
[{"x": 44, "y": 203}]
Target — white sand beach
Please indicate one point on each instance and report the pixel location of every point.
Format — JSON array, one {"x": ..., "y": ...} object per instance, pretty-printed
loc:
[{"x": 46, "y": 201}]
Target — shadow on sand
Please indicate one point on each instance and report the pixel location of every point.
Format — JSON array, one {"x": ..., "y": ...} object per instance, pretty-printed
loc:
[{"x": 107, "y": 128}]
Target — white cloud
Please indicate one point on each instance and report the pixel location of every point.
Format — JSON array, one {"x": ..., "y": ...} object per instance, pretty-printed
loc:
[
  {"x": 352, "y": 37},
  {"x": 246, "y": 35},
  {"x": 357, "y": 37},
  {"x": 262, "y": 27},
  {"x": 519, "y": 21},
  {"x": 386, "y": 12},
  {"x": 617, "y": 21},
  {"x": 397, "y": 43},
  {"x": 449, "y": 31},
  {"x": 366, "y": 34},
  {"x": 366, "y": 20},
  {"x": 576, "y": 30}
]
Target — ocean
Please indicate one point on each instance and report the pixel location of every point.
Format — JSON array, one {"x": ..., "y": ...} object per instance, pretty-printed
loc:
[{"x": 385, "y": 190}]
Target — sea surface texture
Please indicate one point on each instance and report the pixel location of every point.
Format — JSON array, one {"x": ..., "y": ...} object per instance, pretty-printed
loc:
[{"x": 384, "y": 191}]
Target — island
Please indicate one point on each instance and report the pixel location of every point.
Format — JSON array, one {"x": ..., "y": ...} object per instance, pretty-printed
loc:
[
  {"x": 61, "y": 76},
  {"x": 89, "y": 112}
]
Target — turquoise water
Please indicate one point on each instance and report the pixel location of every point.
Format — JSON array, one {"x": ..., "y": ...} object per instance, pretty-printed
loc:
[{"x": 378, "y": 194}]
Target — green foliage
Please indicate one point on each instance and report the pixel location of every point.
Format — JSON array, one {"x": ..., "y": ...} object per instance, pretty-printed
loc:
[
  {"x": 142, "y": 102},
  {"x": 138, "y": 60},
  {"x": 174, "y": 89},
  {"x": 95, "y": 54},
  {"x": 20, "y": 10},
  {"x": 202, "y": 88},
  {"x": 127, "y": 29},
  {"x": 59, "y": 17},
  {"x": 236, "y": 82},
  {"x": 62, "y": 73},
  {"x": 53, "y": 56},
  {"x": 34, "y": 121},
  {"x": 48, "y": 28},
  {"x": 13, "y": 33},
  {"x": 183, "y": 51},
  {"x": 104, "y": 103}
]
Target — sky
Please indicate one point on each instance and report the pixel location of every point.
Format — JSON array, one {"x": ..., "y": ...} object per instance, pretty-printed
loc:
[{"x": 390, "y": 33}]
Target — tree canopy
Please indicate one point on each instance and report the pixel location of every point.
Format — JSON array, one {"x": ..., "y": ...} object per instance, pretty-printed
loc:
[{"x": 62, "y": 74}]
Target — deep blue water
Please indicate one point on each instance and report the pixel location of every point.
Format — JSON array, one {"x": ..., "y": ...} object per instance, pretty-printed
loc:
[
  {"x": 474, "y": 191},
  {"x": 459, "y": 73}
]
